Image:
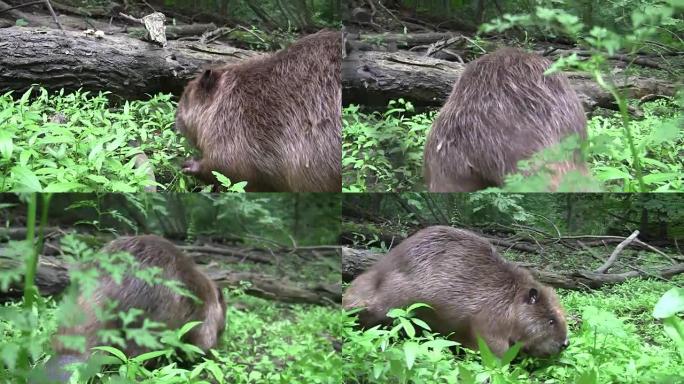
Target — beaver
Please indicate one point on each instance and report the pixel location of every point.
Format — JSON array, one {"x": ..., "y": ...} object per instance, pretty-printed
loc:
[
  {"x": 274, "y": 121},
  {"x": 503, "y": 109},
  {"x": 472, "y": 291},
  {"x": 158, "y": 302}
]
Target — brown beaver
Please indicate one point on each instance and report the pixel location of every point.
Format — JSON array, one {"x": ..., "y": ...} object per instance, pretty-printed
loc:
[
  {"x": 273, "y": 121},
  {"x": 158, "y": 302},
  {"x": 471, "y": 289},
  {"x": 502, "y": 110}
]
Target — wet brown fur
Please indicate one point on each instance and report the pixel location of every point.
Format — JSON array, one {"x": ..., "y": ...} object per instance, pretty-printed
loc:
[
  {"x": 472, "y": 290},
  {"x": 273, "y": 121},
  {"x": 502, "y": 110},
  {"x": 158, "y": 302}
]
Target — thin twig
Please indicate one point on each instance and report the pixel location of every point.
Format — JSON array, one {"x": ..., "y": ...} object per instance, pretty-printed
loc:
[
  {"x": 54, "y": 16},
  {"x": 22, "y": 5},
  {"x": 130, "y": 18},
  {"x": 611, "y": 260}
]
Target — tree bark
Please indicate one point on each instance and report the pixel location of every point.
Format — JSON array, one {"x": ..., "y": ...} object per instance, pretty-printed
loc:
[
  {"x": 124, "y": 66},
  {"x": 374, "y": 78},
  {"x": 130, "y": 68}
]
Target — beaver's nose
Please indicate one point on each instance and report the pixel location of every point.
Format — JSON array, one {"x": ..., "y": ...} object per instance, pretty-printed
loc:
[{"x": 565, "y": 344}]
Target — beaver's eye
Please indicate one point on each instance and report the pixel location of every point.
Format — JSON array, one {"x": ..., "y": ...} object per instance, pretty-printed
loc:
[{"x": 552, "y": 321}]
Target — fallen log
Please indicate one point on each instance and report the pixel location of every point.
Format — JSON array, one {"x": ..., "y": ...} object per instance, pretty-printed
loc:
[
  {"x": 273, "y": 288},
  {"x": 174, "y": 32},
  {"x": 52, "y": 278},
  {"x": 355, "y": 261},
  {"x": 122, "y": 65},
  {"x": 131, "y": 69},
  {"x": 374, "y": 78},
  {"x": 405, "y": 40}
]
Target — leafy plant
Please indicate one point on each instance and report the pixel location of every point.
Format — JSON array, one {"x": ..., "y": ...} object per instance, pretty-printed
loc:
[
  {"x": 666, "y": 309},
  {"x": 613, "y": 339},
  {"x": 604, "y": 42},
  {"x": 386, "y": 153},
  {"x": 76, "y": 142},
  {"x": 383, "y": 152}
]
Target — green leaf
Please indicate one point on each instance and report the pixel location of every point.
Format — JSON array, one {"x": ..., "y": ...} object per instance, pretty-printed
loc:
[
  {"x": 98, "y": 179},
  {"x": 610, "y": 173},
  {"x": 665, "y": 132},
  {"x": 66, "y": 186},
  {"x": 25, "y": 180},
  {"x": 238, "y": 187},
  {"x": 223, "y": 180},
  {"x": 410, "y": 351},
  {"x": 488, "y": 357},
  {"x": 671, "y": 303},
  {"x": 408, "y": 327},
  {"x": 9, "y": 353},
  {"x": 113, "y": 351},
  {"x": 187, "y": 327},
  {"x": 655, "y": 178},
  {"x": 511, "y": 353},
  {"x": 421, "y": 323},
  {"x": 143, "y": 357},
  {"x": 590, "y": 376},
  {"x": 6, "y": 145}
]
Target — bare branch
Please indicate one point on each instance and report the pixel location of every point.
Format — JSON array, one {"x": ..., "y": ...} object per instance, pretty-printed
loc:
[{"x": 613, "y": 256}]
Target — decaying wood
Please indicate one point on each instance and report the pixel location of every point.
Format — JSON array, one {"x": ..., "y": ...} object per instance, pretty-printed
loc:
[
  {"x": 131, "y": 69},
  {"x": 374, "y": 78},
  {"x": 355, "y": 261},
  {"x": 177, "y": 31},
  {"x": 52, "y": 278},
  {"x": 273, "y": 288},
  {"x": 103, "y": 10},
  {"x": 405, "y": 40},
  {"x": 125, "y": 66},
  {"x": 235, "y": 252},
  {"x": 19, "y": 233}
]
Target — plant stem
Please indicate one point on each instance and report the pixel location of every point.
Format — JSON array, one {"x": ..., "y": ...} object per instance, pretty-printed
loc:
[
  {"x": 624, "y": 114},
  {"x": 32, "y": 260}
]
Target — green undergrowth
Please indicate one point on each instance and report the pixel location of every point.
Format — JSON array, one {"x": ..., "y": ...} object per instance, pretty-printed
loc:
[
  {"x": 275, "y": 343},
  {"x": 383, "y": 151},
  {"x": 83, "y": 142},
  {"x": 264, "y": 342},
  {"x": 614, "y": 338}
]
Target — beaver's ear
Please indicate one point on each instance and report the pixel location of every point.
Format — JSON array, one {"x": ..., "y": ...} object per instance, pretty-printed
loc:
[
  {"x": 532, "y": 296},
  {"x": 209, "y": 79}
]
